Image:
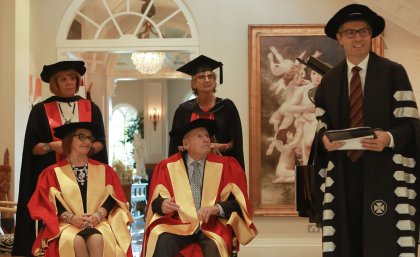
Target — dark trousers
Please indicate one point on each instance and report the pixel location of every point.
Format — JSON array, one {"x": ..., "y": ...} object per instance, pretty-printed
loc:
[
  {"x": 354, "y": 199},
  {"x": 169, "y": 245}
]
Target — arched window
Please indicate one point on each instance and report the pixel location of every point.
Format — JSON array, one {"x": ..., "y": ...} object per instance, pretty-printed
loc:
[
  {"x": 129, "y": 23},
  {"x": 122, "y": 117}
]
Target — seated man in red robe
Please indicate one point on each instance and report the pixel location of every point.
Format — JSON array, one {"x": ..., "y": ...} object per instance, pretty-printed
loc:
[{"x": 198, "y": 198}]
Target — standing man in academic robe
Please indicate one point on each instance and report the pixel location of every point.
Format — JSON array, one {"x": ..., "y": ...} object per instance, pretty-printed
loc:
[{"x": 369, "y": 204}]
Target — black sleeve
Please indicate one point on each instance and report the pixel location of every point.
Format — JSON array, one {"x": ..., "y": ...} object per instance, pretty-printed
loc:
[
  {"x": 157, "y": 205},
  {"x": 109, "y": 204},
  {"x": 177, "y": 123},
  {"x": 236, "y": 135},
  {"x": 101, "y": 156},
  {"x": 229, "y": 206},
  {"x": 60, "y": 208}
]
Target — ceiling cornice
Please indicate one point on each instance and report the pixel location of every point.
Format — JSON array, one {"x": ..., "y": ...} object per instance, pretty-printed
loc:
[{"x": 404, "y": 13}]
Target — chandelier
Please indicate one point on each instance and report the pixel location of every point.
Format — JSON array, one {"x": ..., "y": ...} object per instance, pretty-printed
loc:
[{"x": 148, "y": 62}]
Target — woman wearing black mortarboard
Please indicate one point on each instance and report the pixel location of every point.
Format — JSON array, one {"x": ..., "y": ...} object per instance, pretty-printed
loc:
[
  {"x": 41, "y": 148},
  {"x": 228, "y": 140}
]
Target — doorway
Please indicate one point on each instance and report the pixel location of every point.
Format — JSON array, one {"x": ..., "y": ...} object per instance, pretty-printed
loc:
[{"x": 105, "y": 34}]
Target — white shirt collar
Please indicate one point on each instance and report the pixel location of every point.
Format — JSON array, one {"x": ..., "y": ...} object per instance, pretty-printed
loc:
[
  {"x": 363, "y": 64},
  {"x": 190, "y": 160}
]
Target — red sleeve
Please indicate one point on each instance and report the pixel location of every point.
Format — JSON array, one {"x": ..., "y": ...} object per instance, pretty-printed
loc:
[
  {"x": 160, "y": 177},
  {"x": 113, "y": 179},
  {"x": 40, "y": 207},
  {"x": 233, "y": 173}
]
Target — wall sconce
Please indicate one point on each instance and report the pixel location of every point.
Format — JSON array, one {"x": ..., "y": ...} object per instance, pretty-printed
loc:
[{"x": 154, "y": 117}]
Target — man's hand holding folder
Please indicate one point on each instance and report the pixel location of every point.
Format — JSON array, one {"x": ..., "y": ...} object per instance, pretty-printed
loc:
[{"x": 349, "y": 139}]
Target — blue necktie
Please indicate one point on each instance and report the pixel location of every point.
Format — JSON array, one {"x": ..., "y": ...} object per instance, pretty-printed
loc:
[{"x": 195, "y": 184}]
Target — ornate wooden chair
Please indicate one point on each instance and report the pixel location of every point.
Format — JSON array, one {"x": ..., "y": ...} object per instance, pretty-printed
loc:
[{"x": 7, "y": 208}]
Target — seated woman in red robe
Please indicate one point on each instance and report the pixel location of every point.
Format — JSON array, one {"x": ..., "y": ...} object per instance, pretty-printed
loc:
[{"x": 80, "y": 202}]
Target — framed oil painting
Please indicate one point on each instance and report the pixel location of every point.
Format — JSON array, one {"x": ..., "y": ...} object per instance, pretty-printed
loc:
[{"x": 282, "y": 119}]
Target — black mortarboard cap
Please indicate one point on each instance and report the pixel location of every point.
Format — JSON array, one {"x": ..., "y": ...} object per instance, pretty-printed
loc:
[
  {"x": 49, "y": 70},
  {"x": 178, "y": 134},
  {"x": 353, "y": 12},
  {"x": 63, "y": 130},
  {"x": 316, "y": 64},
  {"x": 200, "y": 64}
]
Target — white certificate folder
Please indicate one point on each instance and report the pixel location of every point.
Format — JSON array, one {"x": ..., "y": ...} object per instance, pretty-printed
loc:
[{"x": 351, "y": 137}]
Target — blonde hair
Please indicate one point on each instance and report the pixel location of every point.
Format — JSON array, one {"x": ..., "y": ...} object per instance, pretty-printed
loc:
[
  {"x": 54, "y": 88},
  {"x": 194, "y": 79}
]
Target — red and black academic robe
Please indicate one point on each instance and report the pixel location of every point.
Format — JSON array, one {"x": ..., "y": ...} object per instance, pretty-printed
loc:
[
  {"x": 223, "y": 177},
  {"x": 229, "y": 128},
  {"x": 390, "y": 178},
  {"x": 58, "y": 183},
  {"x": 43, "y": 118}
]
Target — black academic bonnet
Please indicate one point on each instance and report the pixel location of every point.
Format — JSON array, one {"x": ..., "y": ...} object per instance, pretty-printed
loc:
[
  {"x": 178, "y": 134},
  {"x": 200, "y": 64},
  {"x": 49, "y": 70},
  {"x": 62, "y": 131},
  {"x": 355, "y": 12}
]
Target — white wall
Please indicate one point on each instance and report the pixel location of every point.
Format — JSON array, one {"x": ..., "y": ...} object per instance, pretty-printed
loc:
[
  {"x": 223, "y": 35},
  {"x": 130, "y": 92},
  {"x": 7, "y": 80},
  {"x": 178, "y": 89}
]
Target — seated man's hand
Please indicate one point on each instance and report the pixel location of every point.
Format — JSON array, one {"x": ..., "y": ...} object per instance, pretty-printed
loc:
[
  {"x": 205, "y": 212},
  {"x": 169, "y": 205}
]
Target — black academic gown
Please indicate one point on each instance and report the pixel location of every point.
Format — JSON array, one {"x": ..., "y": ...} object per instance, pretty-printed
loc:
[
  {"x": 229, "y": 126},
  {"x": 390, "y": 204},
  {"x": 38, "y": 130}
]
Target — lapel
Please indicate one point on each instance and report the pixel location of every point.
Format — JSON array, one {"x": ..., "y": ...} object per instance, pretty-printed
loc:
[
  {"x": 338, "y": 97},
  {"x": 69, "y": 188},
  {"x": 211, "y": 182},
  {"x": 374, "y": 87},
  {"x": 182, "y": 191}
]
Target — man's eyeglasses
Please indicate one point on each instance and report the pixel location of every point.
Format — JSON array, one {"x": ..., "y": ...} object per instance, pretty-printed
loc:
[
  {"x": 351, "y": 33},
  {"x": 203, "y": 77},
  {"x": 85, "y": 138}
]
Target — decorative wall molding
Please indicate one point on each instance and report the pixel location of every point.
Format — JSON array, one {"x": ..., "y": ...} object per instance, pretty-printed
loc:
[
  {"x": 404, "y": 13},
  {"x": 289, "y": 242},
  {"x": 283, "y": 247}
]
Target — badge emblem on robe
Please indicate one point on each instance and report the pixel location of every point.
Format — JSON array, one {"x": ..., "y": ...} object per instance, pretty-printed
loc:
[{"x": 379, "y": 207}]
